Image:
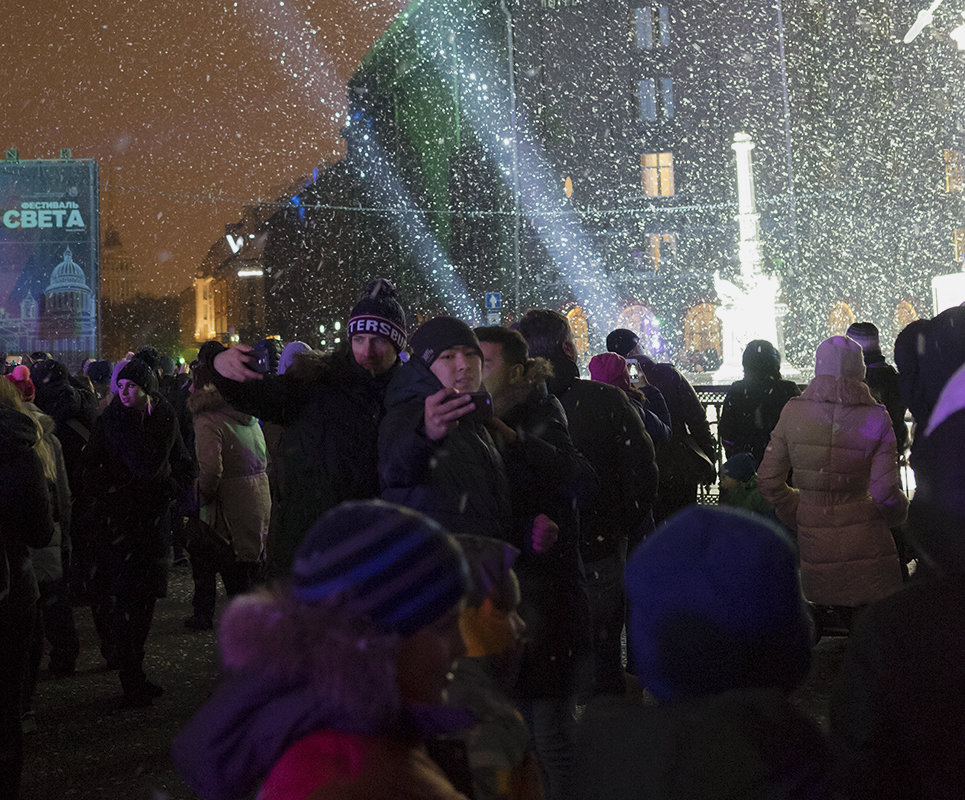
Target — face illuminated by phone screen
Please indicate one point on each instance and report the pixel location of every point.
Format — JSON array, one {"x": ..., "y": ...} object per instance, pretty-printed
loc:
[{"x": 459, "y": 367}]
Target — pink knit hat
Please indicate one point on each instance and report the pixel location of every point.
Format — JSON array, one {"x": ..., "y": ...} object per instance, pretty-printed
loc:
[
  {"x": 610, "y": 368},
  {"x": 20, "y": 377}
]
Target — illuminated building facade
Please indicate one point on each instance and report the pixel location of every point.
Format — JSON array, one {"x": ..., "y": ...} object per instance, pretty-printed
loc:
[{"x": 577, "y": 155}]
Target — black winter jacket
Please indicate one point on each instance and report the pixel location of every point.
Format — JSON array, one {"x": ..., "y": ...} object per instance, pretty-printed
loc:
[
  {"x": 548, "y": 475},
  {"x": 330, "y": 409},
  {"x": 135, "y": 465},
  {"x": 609, "y": 432},
  {"x": 460, "y": 481},
  {"x": 751, "y": 409}
]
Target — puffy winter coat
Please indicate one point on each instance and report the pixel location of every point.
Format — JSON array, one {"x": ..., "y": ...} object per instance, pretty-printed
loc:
[
  {"x": 231, "y": 471},
  {"x": 460, "y": 481},
  {"x": 846, "y": 496},
  {"x": 303, "y": 705}
]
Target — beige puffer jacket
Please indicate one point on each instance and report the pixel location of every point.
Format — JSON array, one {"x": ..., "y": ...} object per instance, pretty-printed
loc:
[
  {"x": 846, "y": 496},
  {"x": 231, "y": 472}
]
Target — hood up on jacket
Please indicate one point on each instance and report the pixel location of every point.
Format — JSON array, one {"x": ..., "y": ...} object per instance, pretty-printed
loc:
[
  {"x": 290, "y": 670},
  {"x": 839, "y": 372}
]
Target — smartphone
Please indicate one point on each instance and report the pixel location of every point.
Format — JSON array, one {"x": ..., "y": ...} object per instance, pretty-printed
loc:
[
  {"x": 633, "y": 367},
  {"x": 482, "y": 407}
]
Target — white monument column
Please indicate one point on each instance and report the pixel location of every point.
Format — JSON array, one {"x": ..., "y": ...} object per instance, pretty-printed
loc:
[{"x": 748, "y": 305}]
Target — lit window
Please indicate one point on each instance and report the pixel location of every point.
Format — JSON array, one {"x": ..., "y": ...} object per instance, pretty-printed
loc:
[
  {"x": 953, "y": 171},
  {"x": 657, "y": 169},
  {"x": 840, "y": 318},
  {"x": 959, "y": 244},
  {"x": 663, "y": 246},
  {"x": 651, "y": 26}
]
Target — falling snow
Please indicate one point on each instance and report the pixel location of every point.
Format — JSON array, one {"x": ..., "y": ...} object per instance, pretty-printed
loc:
[{"x": 588, "y": 168}]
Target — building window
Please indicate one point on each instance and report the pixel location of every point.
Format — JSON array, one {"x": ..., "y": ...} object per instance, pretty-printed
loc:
[
  {"x": 657, "y": 169},
  {"x": 954, "y": 174},
  {"x": 703, "y": 341},
  {"x": 959, "y": 245},
  {"x": 904, "y": 315},
  {"x": 663, "y": 248},
  {"x": 580, "y": 328},
  {"x": 652, "y": 26},
  {"x": 655, "y": 99}
]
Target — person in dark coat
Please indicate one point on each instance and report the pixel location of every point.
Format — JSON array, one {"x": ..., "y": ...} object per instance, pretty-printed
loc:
[
  {"x": 927, "y": 353},
  {"x": 898, "y": 709},
  {"x": 134, "y": 467},
  {"x": 547, "y": 475},
  {"x": 330, "y": 406},
  {"x": 434, "y": 456},
  {"x": 882, "y": 379},
  {"x": 721, "y": 635},
  {"x": 688, "y": 419},
  {"x": 753, "y": 405},
  {"x": 25, "y": 521},
  {"x": 612, "y": 368},
  {"x": 609, "y": 432}
]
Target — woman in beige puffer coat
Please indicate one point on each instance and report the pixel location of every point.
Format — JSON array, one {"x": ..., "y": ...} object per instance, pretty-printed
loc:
[
  {"x": 233, "y": 495},
  {"x": 846, "y": 496}
]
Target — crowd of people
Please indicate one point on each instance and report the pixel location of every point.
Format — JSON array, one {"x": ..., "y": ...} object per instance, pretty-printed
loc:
[{"x": 458, "y": 568}]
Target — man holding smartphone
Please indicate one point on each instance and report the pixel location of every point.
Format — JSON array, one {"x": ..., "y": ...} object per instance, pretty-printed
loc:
[
  {"x": 329, "y": 405},
  {"x": 436, "y": 453}
]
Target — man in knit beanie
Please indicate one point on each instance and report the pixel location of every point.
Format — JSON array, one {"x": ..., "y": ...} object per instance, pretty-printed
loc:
[
  {"x": 329, "y": 405},
  {"x": 436, "y": 453}
]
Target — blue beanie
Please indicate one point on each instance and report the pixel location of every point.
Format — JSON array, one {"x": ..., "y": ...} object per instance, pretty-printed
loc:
[
  {"x": 382, "y": 561},
  {"x": 715, "y": 604}
]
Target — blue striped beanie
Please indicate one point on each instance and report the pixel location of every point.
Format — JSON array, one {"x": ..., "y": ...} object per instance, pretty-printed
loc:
[{"x": 382, "y": 561}]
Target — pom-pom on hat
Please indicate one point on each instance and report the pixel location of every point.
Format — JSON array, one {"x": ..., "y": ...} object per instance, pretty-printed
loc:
[
  {"x": 20, "y": 377},
  {"x": 442, "y": 333},
  {"x": 610, "y": 368},
  {"x": 141, "y": 373},
  {"x": 715, "y": 604},
  {"x": 390, "y": 564},
  {"x": 621, "y": 341},
  {"x": 379, "y": 312}
]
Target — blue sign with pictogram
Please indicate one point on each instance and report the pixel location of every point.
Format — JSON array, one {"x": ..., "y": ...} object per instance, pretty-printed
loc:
[{"x": 494, "y": 301}]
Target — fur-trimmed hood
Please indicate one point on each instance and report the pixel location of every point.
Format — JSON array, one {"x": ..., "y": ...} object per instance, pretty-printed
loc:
[{"x": 291, "y": 669}]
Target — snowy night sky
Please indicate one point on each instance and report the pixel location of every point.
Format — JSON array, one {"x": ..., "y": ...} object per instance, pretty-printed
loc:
[{"x": 192, "y": 110}]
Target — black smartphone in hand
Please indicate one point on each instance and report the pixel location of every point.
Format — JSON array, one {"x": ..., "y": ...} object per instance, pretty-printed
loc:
[{"x": 482, "y": 407}]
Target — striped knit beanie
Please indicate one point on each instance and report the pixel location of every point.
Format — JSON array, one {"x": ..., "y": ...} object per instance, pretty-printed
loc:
[{"x": 382, "y": 561}]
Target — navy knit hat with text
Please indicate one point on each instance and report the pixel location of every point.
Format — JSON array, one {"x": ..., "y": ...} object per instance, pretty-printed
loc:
[
  {"x": 379, "y": 312},
  {"x": 390, "y": 564}
]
